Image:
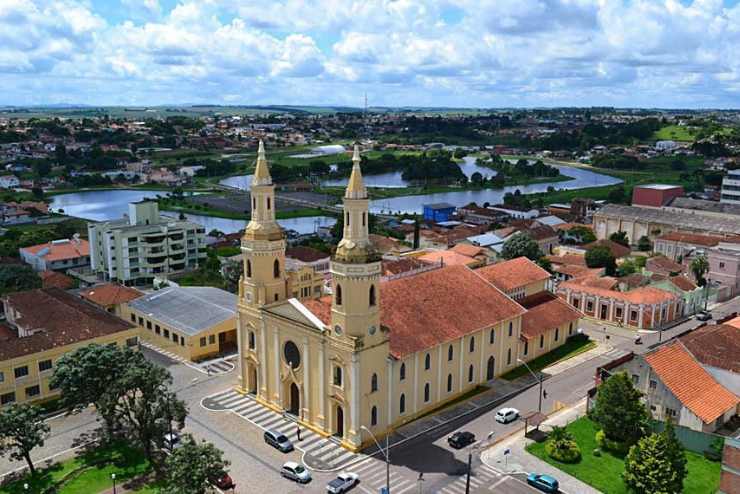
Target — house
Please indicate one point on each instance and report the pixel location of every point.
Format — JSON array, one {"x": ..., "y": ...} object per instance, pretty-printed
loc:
[
  {"x": 299, "y": 256},
  {"x": 111, "y": 297},
  {"x": 717, "y": 348},
  {"x": 617, "y": 250},
  {"x": 57, "y": 255},
  {"x": 388, "y": 245},
  {"x": 676, "y": 386},
  {"x": 472, "y": 213},
  {"x": 724, "y": 266},
  {"x": 663, "y": 265},
  {"x": 655, "y": 195},
  {"x": 193, "y": 322},
  {"x": 693, "y": 295},
  {"x": 449, "y": 258},
  {"x": 55, "y": 279},
  {"x": 546, "y": 325},
  {"x": 677, "y": 245},
  {"x": 476, "y": 252},
  {"x": 438, "y": 212},
  {"x": 41, "y": 326},
  {"x": 518, "y": 278},
  {"x": 9, "y": 182}
]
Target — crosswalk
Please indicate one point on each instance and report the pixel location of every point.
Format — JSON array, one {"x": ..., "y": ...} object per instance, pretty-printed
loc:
[
  {"x": 319, "y": 453},
  {"x": 211, "y": 367},
  {"x": 481, "y": 479},
  {"x": 221, "y": 366},
  {"x": 373, "y": 476},
  {"x": 615, "y": 353}
]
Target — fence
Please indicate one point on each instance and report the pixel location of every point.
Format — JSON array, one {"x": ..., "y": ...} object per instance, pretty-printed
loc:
[{"x": 695, "y": 441}]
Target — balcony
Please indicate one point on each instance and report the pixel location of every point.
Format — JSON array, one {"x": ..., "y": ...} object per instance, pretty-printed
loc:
[
  {"x": 153, "y": 238},
  {"x": 156, "y": 261},
  {"x": 177, "y": 248}
]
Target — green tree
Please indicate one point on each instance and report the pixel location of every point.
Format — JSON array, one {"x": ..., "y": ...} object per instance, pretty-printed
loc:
[
  {"x": 16, "y": 278},
  {"x": 21, "y": 430},
  {"x": 699, "y": 267},
  {"x": 644, "y": 244},
  {"x": 193, "y": 466},
  {"x": 521, "y": 244},
  {"x": 601, "y": 257},
  {"x": 618, "y": 409},
  {"x": 617, "y": 194},
  {"x": 656, "y": 464},
  {"x": 477, "y": 178},
  {"x": 620, "y": 237}
]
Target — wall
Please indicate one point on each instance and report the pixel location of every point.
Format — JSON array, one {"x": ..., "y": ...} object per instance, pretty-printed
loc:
[{"x": 549, "y": 343}]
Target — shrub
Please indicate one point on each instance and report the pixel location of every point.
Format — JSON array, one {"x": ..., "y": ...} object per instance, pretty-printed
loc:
[
  {"x": 597, "y": 452},
  {"x": 610, "y": 445},
  {"x": 563, "y": 451}
]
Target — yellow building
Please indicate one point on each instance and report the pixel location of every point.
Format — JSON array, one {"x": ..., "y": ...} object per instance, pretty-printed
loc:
[
  {"x": 41, "y": 326},
  {"x": 375, "y": 354},
  {"x": 195, "y": 323},
  {"x": 546, "y": 325}
]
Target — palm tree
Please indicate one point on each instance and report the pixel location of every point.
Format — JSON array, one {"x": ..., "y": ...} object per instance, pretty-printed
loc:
[{"x": 699, "y": 266}]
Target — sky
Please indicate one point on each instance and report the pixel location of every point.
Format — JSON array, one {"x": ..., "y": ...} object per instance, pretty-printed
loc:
[{"x": 433, "y": 53}]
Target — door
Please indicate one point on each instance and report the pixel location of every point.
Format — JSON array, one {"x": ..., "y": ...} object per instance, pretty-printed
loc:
[
  {"x": 252, "y": 376},
  {"x": 295, "y": 399},
  {"x": 491, "y": 368},
  {"x": 604, "y": 308},
  {"x": 339, "y": 422}
]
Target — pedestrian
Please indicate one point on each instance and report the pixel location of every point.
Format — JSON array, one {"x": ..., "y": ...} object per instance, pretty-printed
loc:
[
  {"x": 298, "y": 432},
  {"x": 544, "y": 393}
]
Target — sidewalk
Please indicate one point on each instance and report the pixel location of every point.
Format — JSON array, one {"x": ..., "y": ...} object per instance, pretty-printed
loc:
[{"x": 518, "y": 461}]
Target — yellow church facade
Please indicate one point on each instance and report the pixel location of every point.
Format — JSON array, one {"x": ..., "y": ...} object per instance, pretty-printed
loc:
[{"x": 375, "y": 354}]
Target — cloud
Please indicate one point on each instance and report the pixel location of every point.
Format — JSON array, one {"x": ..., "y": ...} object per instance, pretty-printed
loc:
[{"x": 401, "y": 52}]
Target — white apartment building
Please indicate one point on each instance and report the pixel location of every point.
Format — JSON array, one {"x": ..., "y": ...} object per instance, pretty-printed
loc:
[
  {"x": 731, "y": 187},
  {"x": 135, "y": 249}
]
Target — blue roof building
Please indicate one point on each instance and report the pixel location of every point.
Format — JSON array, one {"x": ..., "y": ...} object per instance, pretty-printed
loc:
[{"x": 438, "y": 212}]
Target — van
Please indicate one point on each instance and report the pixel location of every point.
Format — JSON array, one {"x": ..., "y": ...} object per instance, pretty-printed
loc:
[{"x": 278, "y": 441}]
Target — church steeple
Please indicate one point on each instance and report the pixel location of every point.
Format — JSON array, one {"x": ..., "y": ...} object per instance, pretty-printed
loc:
[
  {"x": 355, "y": 244},
  {"x": 261, "y": 171},
  {"x": 355, "y": 186},
  {"x": 262, "y": 190}
]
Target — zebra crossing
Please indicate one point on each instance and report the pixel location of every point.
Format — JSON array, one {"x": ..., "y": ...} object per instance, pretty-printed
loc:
[
  {"x": 319, "y": 453},
  {"x": 615, "y": 353},
  {"x": 481, "y": 479},
  {"x": 373, "y": 474},
  {"x": 215, "y": 367},
  {"x": 221, "y": 366}
]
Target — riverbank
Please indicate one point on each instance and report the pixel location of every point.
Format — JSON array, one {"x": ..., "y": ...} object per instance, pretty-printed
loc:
[
  {"x": 218, "y": 213},
  {"x": 151, "y": 187}
]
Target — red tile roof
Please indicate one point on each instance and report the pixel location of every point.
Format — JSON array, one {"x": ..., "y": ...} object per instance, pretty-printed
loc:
[
  {"x": 690, "y": 383},
  {"x": 642, "y": 295},
  {"x": 662, "y": 264},
  {"x": 576, "y": 271},
  {"x": 110, "y": 294},
  {"x": 448, "y": 258},
  {"x": 509, "y": 275},
  {"x": 401, "y": 265},
  {"x": 467, "y": 250},
  {"x": 715, "y": 345},
  {"x": 70, "y": 249},
  {"x": 546, "y": 311},
  {"x": 431, "y": 308},
  {"x": 617, "y": 250},
  {"x": 320, "y": 307},
  {"x": 691, "y": 238},
  {"x": 683, "y": 283},
  {"x": 571, "y": 259},
  {"x": 305, "y": 254},
  {"x": 52, "y": 279}
]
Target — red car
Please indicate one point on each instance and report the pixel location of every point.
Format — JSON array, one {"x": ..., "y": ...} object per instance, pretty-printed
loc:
[{"x": 224, "y": 482}]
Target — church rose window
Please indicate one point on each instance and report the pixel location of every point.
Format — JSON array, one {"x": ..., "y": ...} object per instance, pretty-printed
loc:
[{"x": 292, "y": 355}]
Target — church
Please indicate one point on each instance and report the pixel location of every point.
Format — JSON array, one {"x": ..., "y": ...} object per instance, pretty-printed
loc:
[{"x": 377, "y": 353}]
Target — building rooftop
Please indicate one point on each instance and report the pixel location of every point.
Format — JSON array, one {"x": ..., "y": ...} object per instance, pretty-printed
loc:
[
  {"x": 659, "y": 186},
  {"x": 516, "y": 273},
  {"x": 54, "y": 279},
  {"x": 705, "y": 205},
  {"x": 440, "y": 205},
  {"x": 690, "y": 383},
  {"x": 55, "y": 318},
  {"x": 641, "y": 295},
  {"x": 691, "y": 238},
  {"x": 568, "y": 260},
  {"x": 695, "y": 220},
  {"x": 188, "y": 309},
  {"x": 546, "y": 311},
  {"x": 59, "y": 250},
  {"x": 617, "y": 250},
  {"x": 447, "y": 258},
  {"x": 305, "y": 254},
  {"x": 715, "y": 345},
  {"x": 486, "y": 239},
  {"x": 468, "y": 250},
  {"x": 109, "y": 294}
]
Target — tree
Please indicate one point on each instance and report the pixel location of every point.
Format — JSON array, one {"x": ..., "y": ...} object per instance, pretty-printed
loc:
[
  {"x": 21, "y": 430},
  {"x": 191, "y": 467},
  {"x": 38, "y": 192},
  {"x": 17, "y": 277},
  {"x": 618, "y": 409},
  {"x": 521, "y": 244},
  {"x": 601, "y": 257},
  {"x": 477, "y": 178},
  {"x": 656, "y": 464},
  {"x": 644, "y": 244},
  {"x": 699, "y": 266},
  {"x": 617, "y": 194},
  {"x": 620, "y": 237}
]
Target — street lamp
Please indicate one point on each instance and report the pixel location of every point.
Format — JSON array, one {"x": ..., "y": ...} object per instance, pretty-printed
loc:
[
  {"x": 475, "y": 446},
  {"x": 113, "y": 478},
  {"x": 539, "y": 379},
  {"x": 25, "y": 487},
  {"x": 387, "y": 457}
]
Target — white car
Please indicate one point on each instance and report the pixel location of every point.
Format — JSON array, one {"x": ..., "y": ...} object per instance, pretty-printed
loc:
[
  {"x": 294, "y": 471},
  {"x": 506, "y": 415},
  {"x": 344, "y": 482}
]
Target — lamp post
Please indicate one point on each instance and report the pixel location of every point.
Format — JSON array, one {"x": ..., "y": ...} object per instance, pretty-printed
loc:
[
  {"x": 475, "y": 446},
  {"x": 386, "y": 453},
  {"x": 539, "y": 379},
  {"x": 25, "y": 487},
  {"x": 113, "y": 478}
]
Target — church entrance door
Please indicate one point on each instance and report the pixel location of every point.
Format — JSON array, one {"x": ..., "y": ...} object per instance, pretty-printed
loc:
[
  {"x": 339, "y": 422},
  {"x": 491, "y": 368},
  {"x": 252, "y": 379},
  {"x": 295, "y": 400}
]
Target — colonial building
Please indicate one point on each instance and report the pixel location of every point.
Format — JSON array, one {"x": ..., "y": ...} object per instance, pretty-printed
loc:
[{"x": 376, "y": 353}]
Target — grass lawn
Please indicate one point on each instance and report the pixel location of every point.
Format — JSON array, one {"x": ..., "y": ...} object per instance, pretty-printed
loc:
[
  {"x": 605, "y": 472},
  {"x": 121, "y": 459},
  {"x": 676, "y": 133},
  {"x": 571, "y": 348}
]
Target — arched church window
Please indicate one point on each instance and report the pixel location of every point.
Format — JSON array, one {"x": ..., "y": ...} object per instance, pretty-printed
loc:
[
  {"x": 249, "y": 268},
  {"x": 449, "y": 382},
  {"x": 374, "y": 383},
  {"x": 402, "y": 372},
  {"x": 402, "y": 404},
  {"x": 268, "y": 203},
  {"x": 450, "y": 353},
  {"x": 427, "y": 362},
  {"x": 346, "y": 220},
  {"x": 363, "y": 219},
  {"x": 252, "y": 343},
  {"x": 374, "y": 416},
  {"x": 472, "y": 344},
  {"x": 338, "y": 295},
  {"x": 372, "y": 295},
  {"x": 292, "y": 354},
  {"x": 276, "y": 269}
]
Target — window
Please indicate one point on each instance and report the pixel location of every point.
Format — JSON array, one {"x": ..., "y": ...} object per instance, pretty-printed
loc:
[
  {"x": 212, "y": 339},
  {"x": 249, "y": 268},
  {"x": 131, "y": 342},
  {"x": 492, "y": 337},
  {"x": 508, "y": 357},
  {"x": 33, "y": 391},
  {"x": 2, "y": 377},
  {"x": 7, "y": 398},
  {"x": 363, "y": 219},
  {"x": 670, "y": 412},
  {"x": 653, "y": 384},
  {"x": 635, "y": 379},
  {"x": 374, "y": 383},
  {"x": 402, "y": 404},
  {"x": 268, "y": 203},
  {"x": 511, "y": 328},
  {"x": 252, "y": 343},
  {"x": 346, "y": 219},
  {"x": 618, "y": 312},
  {"x": 426, "y": 392},
  {"x": 21, "y": 372},
  {"x": 166, "y": 333},
  {"x": 133, "y": 318},
  {"x": 471, "y": 371},
  {"x": 402, "y": 372},
  {"x": 276, "y": 269},
  {"x": 542, "y": 340},
  {"x": 427, "y": 362},
  {"x": 450, "y": 353},
  {"x": 633, "y": 314},
  {"x": 338, "y": 295},
  {"x": 557, "y": 333},
  {"x": 374, "y": 416},
  {"x": 157, "y": 329},
  {"x": 721, "y": 266},
  {"x": 182, "y": 341},
  {"x": 45, "y": 365},
  {"x": 141, "y": 321},
  {"x": 202, "y": 341},
  {"x": 372, "y": 295},
  {"x": 526, "y": 347},
  {"x": 174, "y": 337},
  {"x": 337, "y": 376},
  {"x": 254, "y": 203},
  {"x": 570, "y": 329},
  {"x": 449, "y": 382},
  {"x": 149, "y": 325},
  {"x": 472, "y": 344},
  {"x": 589, "y": 305}
]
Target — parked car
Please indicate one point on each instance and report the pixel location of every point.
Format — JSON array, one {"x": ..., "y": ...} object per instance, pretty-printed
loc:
[
  {"x": 544, "y": 483},
  {"x": 506, "y": 415},
  {"x": 224, "y": 482},
  {"x": 704, "y": 315},
  {"x": 172, "y": 441},
  {"x": 278, "y": 441},
  {"x": 460, "y": 439},
  {"x": 298, "y": 473},
  {"x": 344, "y": 482}
]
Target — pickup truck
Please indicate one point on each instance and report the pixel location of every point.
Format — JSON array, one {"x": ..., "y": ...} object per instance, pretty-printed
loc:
[{"x": 344, "y": 482}]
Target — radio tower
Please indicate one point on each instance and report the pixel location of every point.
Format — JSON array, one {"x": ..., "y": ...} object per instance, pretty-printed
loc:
[{"x": 364, "y": 119}]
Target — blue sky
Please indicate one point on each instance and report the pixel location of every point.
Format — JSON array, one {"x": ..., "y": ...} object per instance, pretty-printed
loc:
[{"x": 470, "y": 53}]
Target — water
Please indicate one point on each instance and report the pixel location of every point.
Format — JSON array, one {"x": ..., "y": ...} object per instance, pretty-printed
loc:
[
  {"x": 322, "y": 151},
  {"x": 241, "y": 182},
  {"x": 303, "y": 226}
]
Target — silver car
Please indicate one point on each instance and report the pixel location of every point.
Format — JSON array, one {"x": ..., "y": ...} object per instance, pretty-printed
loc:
[{"x": 296, "y": 472}]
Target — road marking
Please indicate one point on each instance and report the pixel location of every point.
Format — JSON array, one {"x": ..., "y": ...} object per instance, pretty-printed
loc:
[{"x": 498, "y": 482}]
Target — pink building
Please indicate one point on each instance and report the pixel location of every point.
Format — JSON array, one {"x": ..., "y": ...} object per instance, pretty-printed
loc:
[{"x": 724, "y": 267}]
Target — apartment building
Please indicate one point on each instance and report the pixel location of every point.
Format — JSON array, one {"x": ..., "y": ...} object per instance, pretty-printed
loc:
[
  {"x": 731, "y": 188},
  {"x": 135, "y": 249}
]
